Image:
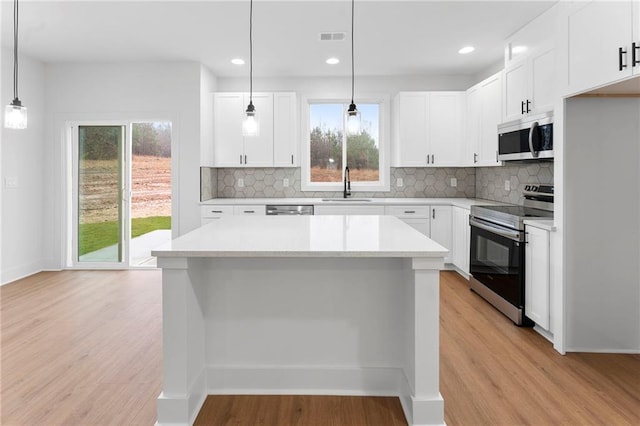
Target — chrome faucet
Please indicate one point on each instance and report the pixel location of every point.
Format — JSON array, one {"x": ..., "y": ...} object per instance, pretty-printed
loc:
[{"x": 347, "y": 183}]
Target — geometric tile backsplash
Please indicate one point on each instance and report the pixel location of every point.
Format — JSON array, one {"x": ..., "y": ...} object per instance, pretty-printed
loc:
[
  {"x": 418, "y": 182},
  {"x": 490, "y": 181}
]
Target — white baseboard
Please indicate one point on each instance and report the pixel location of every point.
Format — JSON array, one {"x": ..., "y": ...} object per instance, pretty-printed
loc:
[
  {"x": 277, "y": 380},
  {"x": 174, "y": 409},
  {"x": 19, "y": 272},
  {"x": 605, "y": 351}
]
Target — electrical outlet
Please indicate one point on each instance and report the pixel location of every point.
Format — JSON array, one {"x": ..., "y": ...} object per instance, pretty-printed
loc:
[
  {"x": 285, "y": 182},
  {"x": 454, "y": 182},
  {"x": 240, "y": 183},
  {"x": 507, "y": 185},
  {"x": 11, "y": 182},
  {"x": 399, "y": 183}
]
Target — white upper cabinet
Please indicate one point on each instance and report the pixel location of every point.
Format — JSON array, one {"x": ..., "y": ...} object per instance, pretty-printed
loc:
[
  {"x": 276, "y": 143},
  {"x": 601, "y": 36},
  {"x": 529, "y": 85},
  {"x": 428, "y": 129},
  {"x": 484, "y": 113},
  {"x": 285, "y": 136},
  {"x": 410, "y": 111}
]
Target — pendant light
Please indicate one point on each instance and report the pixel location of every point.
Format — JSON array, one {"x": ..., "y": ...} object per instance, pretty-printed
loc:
[
  {"x": 15, "y": 115},
  {"x": 353, "y": 115},
  {"x": 250, "y": 125}
]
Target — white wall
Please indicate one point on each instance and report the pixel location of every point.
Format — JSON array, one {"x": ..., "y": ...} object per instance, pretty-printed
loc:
[
  {"x": 128, "y": 91},
  {"x": 208, "y": 85},
  {"x": 22, "y": 155},
  {"x": 602, "y": 224}
]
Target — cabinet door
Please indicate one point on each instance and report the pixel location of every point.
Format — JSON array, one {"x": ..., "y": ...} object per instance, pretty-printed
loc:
[
  {"x": 473, "y": 127},
  {"x": 537, "y": 276},
  {"x": 596, "y": 31},
  {"x": 490, "y": 116},
  {"x": 228, "y": 109},
  {"x": 411, "y": 129},
  {"x": 460, "y": 238},
  {"x": 441, "y": 228},
  {"x": 543, "y": 81},
  {"x": 515, "y": 90},
  {"x": 258, "y": 150},
  {"x": 445, "y": 128},
  {"x": 420, "y": 224},
  {"x": 285, "y": 141}
]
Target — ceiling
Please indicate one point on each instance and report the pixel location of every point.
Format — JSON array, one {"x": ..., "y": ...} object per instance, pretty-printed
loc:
[{"x": 391, "y": 37}]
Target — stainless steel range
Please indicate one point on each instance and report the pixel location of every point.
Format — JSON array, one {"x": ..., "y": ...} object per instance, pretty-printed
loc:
[{"x": 498, "y": 241}]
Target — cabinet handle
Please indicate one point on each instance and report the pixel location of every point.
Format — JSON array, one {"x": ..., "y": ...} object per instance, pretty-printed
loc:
[
  {"x": 475, "y": 158},
  {"x": 433, "y": 159},
  {"x": 249, "y": 211},
  {"x": 522, "y": 107},
  {"x": 245, "y": 159},
  {"x": 634, "y": 48},
  {"x": 433, "y": 213},
  {"x": 621, "y": 65},
  {"x": 240, "y": 158},
  {"x": 496, "y": 156},
  {"x": 528, "y": 103},
  {"x": 410, "y": 211},
  {"x": 291, "y": 158},
  {"x": 216, "y": 211},
  {"x": 427, "y": 158}
]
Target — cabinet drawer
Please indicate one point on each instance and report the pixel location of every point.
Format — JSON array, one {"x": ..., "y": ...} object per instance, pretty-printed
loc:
[
  {"x": 255, "y": 210},
  {"x": 407, "y": 211},
  {"x": 215, "y": 211}
]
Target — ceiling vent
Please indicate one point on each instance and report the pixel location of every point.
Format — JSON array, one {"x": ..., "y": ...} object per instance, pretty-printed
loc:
[{"x": 332, "y": 36}]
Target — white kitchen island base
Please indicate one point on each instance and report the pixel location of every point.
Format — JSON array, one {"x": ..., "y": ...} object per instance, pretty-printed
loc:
[{"x": 348, "y": 323}]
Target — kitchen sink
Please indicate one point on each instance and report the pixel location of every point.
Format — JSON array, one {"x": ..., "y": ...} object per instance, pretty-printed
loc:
[{"x": 348, "y": 199}]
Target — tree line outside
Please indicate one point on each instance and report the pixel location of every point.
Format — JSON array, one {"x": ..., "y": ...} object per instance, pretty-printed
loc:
[
  {"x": 102, "y": 142},
  {"x": 326, "y": 156}
]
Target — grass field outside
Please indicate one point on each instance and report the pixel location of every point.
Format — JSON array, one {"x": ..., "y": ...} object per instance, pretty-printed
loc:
[
  {"x": 319, "y": 174},
  {"x": 95, "y": 236}
]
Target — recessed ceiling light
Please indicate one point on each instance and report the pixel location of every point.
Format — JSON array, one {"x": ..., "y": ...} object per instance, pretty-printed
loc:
[
  {"x": 518, "y": 49},
  {"x": 466, "y": 49},
  {"x": 333, "y": 61},
  {"x": 237, "y": 61}
]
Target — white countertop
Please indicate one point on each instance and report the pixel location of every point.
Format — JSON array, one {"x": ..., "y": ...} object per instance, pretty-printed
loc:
[
  {"x": 458, "y": 202},
  {"x": 546, "y": 224},
  {"x": 303, "y": 236}
]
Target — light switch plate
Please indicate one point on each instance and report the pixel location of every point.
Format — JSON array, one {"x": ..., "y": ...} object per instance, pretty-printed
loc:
[
  {"x": 454, "y": 182},
  {"x": 240, "y": 183},
  {"x": 11, "y": 182},
  {"x": 507, "y": 185},
  {"x": 285, "y": 182},
  {"x": 399, "y": 183}
]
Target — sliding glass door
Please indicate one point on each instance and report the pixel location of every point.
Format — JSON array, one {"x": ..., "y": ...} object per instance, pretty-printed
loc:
[{"x": 121, "y": 201}]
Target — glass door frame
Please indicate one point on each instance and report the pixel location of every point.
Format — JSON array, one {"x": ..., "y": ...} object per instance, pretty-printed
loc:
[{"x": 124, "y": 194}]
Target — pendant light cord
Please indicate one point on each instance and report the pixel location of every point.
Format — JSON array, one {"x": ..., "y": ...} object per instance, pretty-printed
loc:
[
  {"x": 250, "y": 52},
  {"x": 352, "y": 67},
  {"x": 15, "y": 49}
]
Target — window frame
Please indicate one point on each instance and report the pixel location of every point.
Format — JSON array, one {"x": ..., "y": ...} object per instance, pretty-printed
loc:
[{"x": 384, "y": 145}]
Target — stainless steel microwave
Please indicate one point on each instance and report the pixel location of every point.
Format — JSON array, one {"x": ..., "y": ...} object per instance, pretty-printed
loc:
[{"x": 529, "y": 138}]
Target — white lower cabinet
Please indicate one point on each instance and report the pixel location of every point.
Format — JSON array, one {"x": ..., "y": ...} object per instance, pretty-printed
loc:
[
  {"x": 211, "y": 213},
  {"x": 537, "y": 279},
  {"x": 460, "y": 238},
  {"x": 250, "y": 210},
  {"x": 355, "y": 210},
  {"x": 434, "y": 222}
]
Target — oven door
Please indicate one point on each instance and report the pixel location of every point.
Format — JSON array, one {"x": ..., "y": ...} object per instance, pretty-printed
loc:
[{"x": 497, "y": 261}]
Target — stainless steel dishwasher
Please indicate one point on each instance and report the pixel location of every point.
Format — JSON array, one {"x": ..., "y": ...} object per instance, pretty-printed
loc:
[{"x": 289, "y": 210}]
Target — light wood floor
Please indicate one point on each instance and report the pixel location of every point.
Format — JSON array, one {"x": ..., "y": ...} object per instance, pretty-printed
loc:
[{"x": 84, "y": 348}]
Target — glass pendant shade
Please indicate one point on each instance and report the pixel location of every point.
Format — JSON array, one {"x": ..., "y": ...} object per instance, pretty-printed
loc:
[
  {"x": 353, "y": 120},
  {"x": 15, "y": 115},
  {"x": 250, "y": 124}
]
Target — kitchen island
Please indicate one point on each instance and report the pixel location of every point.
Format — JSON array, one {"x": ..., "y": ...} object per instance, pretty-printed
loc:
[{"x": 327, "y": 305}]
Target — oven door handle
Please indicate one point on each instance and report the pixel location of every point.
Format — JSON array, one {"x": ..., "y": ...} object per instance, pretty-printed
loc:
[{"x": 512, "y": 235}]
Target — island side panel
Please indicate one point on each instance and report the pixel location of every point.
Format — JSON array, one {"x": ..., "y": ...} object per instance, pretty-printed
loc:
[
  {"x": 421, "y": 400},
  {"x": 184, "y": 386}
]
